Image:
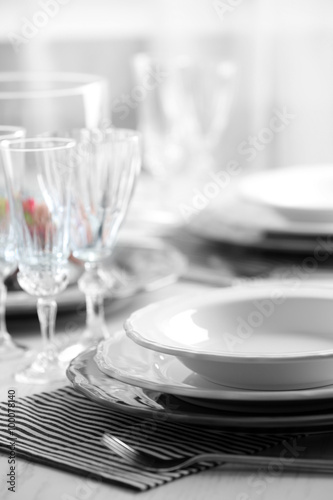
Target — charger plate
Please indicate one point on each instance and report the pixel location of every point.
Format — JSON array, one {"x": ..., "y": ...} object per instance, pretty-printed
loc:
[{"x": 108, "y": 392}]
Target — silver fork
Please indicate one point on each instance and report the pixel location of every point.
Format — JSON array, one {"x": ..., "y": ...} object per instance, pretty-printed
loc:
[{"x": 151, "y": 463}]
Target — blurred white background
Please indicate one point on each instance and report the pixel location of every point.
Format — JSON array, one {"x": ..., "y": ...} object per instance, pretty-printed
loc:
[{"x": 284, "y": 51}]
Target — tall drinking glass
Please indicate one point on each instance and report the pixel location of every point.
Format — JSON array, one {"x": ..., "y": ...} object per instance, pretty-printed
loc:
[
  {"x": 46, "y": 101},
  {"x": 38, "y": 172},
  {"x": 109, "y": 163},
  {"x": 8, "y": 260}
]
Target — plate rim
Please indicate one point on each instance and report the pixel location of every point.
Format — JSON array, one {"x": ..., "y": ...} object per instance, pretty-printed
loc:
[
  {"x": 243, "y": 422},
  {"x": 236, "y": 292},
  {"x": 218, "y": 393}
]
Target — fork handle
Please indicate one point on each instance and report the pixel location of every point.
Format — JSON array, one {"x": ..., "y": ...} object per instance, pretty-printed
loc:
[{"x": 316, "y": 464}]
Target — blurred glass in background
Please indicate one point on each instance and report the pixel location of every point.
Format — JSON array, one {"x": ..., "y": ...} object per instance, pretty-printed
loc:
[
  {"x": 183, "y": 110},
  {"x": 51, "y": 101}
]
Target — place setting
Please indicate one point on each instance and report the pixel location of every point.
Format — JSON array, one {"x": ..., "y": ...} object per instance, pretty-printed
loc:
[
  {"x": 192, "y": 382},
  {"x": 151, "y": 404},
  {"x": 223, "y": 372},
  {"x": 268, "y": 211}
]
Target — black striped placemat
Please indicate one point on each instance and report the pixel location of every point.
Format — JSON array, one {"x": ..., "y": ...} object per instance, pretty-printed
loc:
[{"x": 63, "y": 429}]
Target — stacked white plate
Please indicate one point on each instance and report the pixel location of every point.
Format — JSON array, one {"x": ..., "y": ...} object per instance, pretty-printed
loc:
[
  {"x": 269, "y": 338},
  {"x": 251, "y": 356},
  {"x": 283, "y": 209}
]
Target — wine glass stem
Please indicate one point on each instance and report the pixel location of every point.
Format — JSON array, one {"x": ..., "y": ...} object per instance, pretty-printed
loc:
[
  {"x": 47, "y": 311},
  {"x": 95, "y": 311},
  {"x": 3, "y": 297}
]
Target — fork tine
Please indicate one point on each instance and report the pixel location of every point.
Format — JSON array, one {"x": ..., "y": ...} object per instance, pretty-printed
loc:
[
  {"x": 128, "y": 453},
  {"x": 119, "y": 447}
]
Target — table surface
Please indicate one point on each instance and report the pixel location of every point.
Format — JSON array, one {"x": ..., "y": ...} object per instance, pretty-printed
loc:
[{"x": 36, "y": 482}]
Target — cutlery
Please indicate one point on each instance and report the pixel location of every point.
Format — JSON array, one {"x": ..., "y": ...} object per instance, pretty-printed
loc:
[{"x": 149, "y": 462}]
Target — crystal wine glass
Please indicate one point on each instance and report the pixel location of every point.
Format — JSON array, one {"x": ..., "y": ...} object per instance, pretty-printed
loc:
[
  {"x": 8, "y": 261},
  {"x": 38, "y": 173},
  {"x": 109, "y": 162}
]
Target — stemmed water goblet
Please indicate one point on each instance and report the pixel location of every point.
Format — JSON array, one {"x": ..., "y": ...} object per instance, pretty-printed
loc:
[
  {"x": 8, "y": 260},
  {"x": 38, "y": 174},
  {"x": 109, "y": 162},
  {"x": 185, "y": 111}
]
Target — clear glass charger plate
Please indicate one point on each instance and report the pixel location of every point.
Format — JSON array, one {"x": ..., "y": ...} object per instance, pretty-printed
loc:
[
  {"x": 137, "y": 265},
  {"x": 111, "y": 393}
]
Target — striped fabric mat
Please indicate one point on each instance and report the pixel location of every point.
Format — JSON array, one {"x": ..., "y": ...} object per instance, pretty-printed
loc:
[{"x": 63, "y": 429}]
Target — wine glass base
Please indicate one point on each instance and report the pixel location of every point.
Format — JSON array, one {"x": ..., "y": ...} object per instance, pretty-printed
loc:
[
  {"x": 43, "y": 371},
  {"x": 10, "y": 350}
]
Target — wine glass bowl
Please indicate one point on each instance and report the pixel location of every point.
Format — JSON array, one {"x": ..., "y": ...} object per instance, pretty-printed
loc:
[
  {"x": 38, "y": 172},
  {"x": 8, "y": 258}
]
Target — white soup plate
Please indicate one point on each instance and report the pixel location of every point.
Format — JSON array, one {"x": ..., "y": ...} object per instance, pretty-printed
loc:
[{"x": 269, "y": 337}]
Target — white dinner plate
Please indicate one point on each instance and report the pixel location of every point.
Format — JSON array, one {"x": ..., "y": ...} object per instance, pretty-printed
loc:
[
  {"x": 270, "y": 337},
  {"x": 128, "y": 362},
  {"x": 301, "y": 193},
  {"x": 111, "y": 393},
  {"x": 232, "y": 219},
  {"x": 138, "y": 264}
]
